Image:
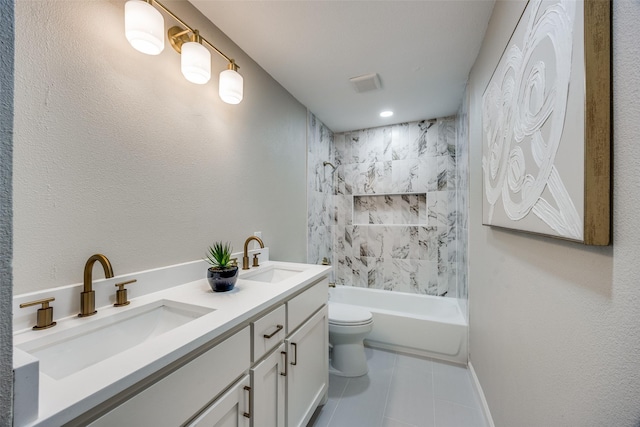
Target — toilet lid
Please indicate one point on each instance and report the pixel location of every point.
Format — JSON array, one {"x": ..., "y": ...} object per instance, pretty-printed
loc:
[{"x": 344, "y": 314}]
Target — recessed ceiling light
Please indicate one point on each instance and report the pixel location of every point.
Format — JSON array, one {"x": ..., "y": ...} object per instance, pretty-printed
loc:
[{"x": 387, "y": 113}]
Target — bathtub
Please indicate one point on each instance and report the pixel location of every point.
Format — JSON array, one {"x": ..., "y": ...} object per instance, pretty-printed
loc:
[{"x": 417, "y": 324}]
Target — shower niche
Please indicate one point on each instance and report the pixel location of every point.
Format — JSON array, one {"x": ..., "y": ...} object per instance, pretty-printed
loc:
[{"x": 390, "y": 209}]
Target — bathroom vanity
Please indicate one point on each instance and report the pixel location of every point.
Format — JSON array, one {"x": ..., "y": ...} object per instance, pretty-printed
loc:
[{"x": 183, "y": 355}]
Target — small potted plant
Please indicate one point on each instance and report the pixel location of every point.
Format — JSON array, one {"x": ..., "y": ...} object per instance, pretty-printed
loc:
[{"x": 223, "y": 273}]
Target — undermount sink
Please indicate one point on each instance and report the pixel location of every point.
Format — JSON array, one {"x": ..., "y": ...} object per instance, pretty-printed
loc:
[
  {"x": 272, "y": 274},
  {"x": 70, "y": 350}
]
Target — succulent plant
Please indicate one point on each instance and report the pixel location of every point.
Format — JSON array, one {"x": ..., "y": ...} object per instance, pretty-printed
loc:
[{"x": 219, "y": 255}]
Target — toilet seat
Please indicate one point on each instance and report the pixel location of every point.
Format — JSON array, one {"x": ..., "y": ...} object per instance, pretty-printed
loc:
[{"x": 348, "y": 315}]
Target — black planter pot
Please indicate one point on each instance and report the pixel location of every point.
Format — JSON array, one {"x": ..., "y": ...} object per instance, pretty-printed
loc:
[{"x": 222, "y": 279}]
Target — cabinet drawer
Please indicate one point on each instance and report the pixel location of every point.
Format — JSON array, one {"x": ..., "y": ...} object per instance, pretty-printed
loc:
[
  {"x": 300, "y": 308},
  {"x": 180, "y": 395},
  {"x": 268, "y": 332}
]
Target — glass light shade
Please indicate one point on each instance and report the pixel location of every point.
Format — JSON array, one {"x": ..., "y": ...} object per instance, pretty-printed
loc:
[
  {"x": 231, "y": 87},
  {"x": 195, "y": 63},
  {"x": 144, "y": 27}
]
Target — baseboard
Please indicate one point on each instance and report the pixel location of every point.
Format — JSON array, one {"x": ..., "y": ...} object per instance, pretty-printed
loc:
[{"x": 485, "y": 407}]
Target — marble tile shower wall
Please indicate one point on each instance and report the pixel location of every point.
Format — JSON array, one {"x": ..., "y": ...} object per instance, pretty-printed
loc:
[
  {"x": 405, "y": 163},
  {"x": 393, "y": 214},
  {"x": 462, "y": 183},
  {"x": 320, "y": 199}
]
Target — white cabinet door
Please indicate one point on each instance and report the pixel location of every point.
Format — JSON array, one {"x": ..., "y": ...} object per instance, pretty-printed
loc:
[
  {"x": 268, "y": 382},
  {"x": 229, "y": 410},
  {"x": 308, "y": 369}
]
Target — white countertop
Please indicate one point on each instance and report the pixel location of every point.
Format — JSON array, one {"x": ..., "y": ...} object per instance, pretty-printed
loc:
[{"x": 63, "y": 400}]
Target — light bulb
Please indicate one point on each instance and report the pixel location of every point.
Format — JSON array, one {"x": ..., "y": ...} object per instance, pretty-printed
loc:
[
  {"x": 144, "y": 27},
  {"x": 196, "y": 63},
  {"x": 231, "y": 86}
]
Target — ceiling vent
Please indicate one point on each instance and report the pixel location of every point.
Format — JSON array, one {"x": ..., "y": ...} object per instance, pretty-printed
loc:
[{"x": 365, "y": 83}]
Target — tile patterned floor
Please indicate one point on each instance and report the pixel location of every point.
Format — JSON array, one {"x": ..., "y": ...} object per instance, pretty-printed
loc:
[{"x": 402, "y": 391}]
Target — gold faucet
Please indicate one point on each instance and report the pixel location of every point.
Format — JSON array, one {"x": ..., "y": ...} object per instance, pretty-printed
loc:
[
  {"x": 245, "y": 258},
  {"x": 88, "y": 296}
]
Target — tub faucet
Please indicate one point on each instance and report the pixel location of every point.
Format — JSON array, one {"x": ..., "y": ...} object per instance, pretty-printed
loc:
[
  {"x": 88, "y": 296},
  {"x": 245, "y": 258}
]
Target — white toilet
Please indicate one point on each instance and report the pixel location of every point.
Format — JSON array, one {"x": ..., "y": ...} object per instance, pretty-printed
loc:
[{"x": 348, "y": 327}]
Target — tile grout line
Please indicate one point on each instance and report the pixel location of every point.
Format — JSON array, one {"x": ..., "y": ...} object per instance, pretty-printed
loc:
[
  {"x": 338, "y": 402},
  {"x": 433, "y": 389},
  {"x": 386, "y": 400}
]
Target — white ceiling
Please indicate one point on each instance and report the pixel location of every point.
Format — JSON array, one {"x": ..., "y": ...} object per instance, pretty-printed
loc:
[{"x": 422, "y": 50}]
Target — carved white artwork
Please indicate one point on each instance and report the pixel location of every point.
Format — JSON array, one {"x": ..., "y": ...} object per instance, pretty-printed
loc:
[{"x": 533, "y": 141}]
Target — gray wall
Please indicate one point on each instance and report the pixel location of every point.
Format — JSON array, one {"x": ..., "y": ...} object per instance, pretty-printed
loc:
[
  {"x": 6, "y": 136},
  {"x": 115, "y": 152},
  {"x": 555, "y": 326}
]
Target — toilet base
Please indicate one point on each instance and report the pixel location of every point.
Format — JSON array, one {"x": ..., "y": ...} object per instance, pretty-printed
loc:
[{"x": 348, "y": 360}]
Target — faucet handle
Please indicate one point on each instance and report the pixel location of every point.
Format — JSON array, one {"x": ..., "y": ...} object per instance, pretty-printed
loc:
[
  {"x": 121, "y": 293},
  {"x": 45, "y": 313},
  {"x": 255, "y": 260},
  {"x": 233, "y": 262}
]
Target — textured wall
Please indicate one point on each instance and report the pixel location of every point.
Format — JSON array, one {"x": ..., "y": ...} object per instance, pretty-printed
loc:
[
  {"x": 6, "y": 141},
  {"x": 554, "y": 326},
  {"x": 115, "y": 152}
]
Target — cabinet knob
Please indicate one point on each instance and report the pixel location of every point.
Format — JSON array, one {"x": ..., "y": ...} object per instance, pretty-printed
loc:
[
  {"x": 45, "y": 313},
  {"x": 121, "y": 293}
]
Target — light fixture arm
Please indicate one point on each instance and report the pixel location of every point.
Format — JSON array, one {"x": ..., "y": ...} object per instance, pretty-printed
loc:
[{"x": 177, "y": 34}]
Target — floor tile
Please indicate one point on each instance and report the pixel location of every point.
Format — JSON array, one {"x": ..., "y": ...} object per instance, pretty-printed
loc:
[
  {"x": 417, "y": 363},
  {"x": 411, "y": 397},
  {"x": 363, "y": 401},
  {"x": 388, "y": 422},
  {"x": 378, "y": 359},
  {"x": 323, "y": 418},
  {"x": 336, "y": 386},
  {"x": 449, "y": 414},
  {"x": 453, "y": 383},
  {"x": 402, "y": 391}
]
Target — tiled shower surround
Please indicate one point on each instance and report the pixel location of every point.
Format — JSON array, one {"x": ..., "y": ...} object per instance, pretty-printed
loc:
[
  {"x": 462, "y": 201},
  {"x": 387, "y": 217}
]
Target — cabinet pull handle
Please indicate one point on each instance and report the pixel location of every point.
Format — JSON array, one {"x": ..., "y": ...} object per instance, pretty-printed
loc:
[
  {"x": 278, "y": 329},
  {"x": 295, "y": 354},
  {"x": 247, "y": 414},
  {"x": 284, "y": 374}
]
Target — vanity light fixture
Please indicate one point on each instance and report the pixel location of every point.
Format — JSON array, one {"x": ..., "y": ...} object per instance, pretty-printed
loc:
[
  {"x": 195, "y": 60},
  {"x": 144, "y": 26},
  {"x": 231, "y": 85},
  {"x": 387, "y": 113}
]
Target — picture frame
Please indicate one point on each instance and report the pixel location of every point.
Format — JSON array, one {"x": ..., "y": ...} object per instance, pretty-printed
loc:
[{"x": 546, "y": 124}]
